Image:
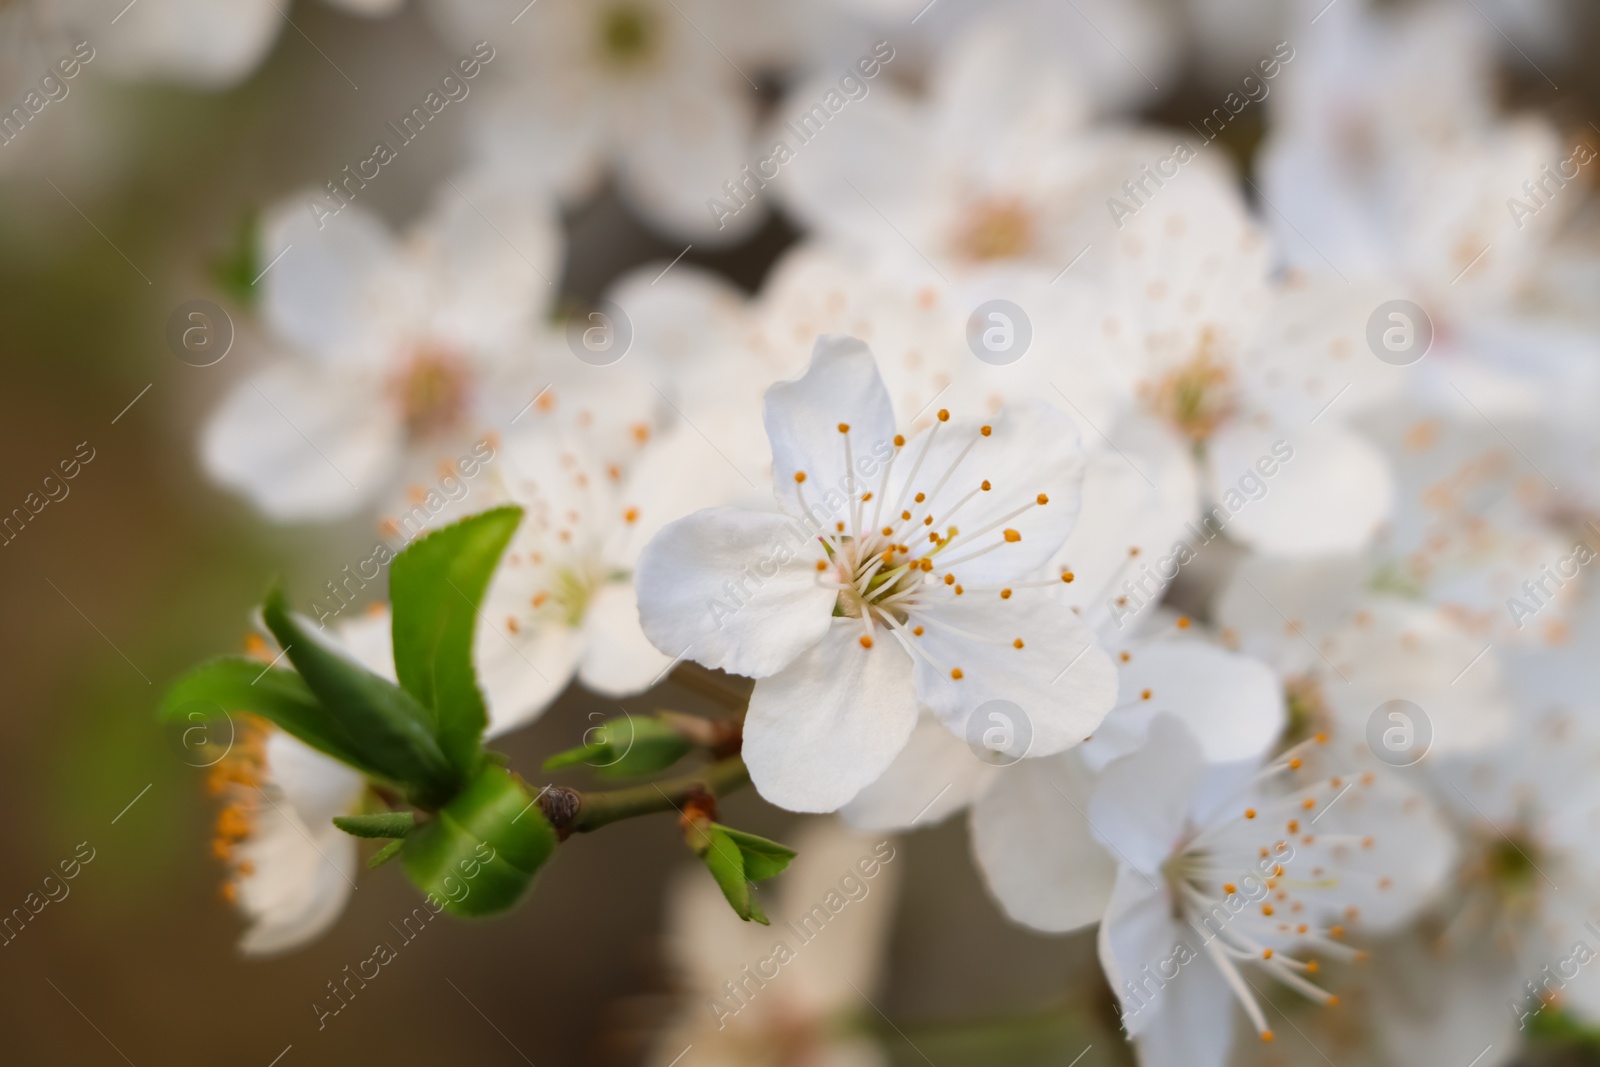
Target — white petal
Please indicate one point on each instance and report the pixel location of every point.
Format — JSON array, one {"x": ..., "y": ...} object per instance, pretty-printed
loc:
[
  {"x": 302, "y": 444},
  {"x": 1328, "y": 496},
  {"x": 1138, "y": 931},
  {"x": 520, "y": 674},
  {"x": 1034, "y": 846},
  {"x": 705, "y": 592},
  {"x": 618, "y": 660},
  {"x": 1060, "y": 680},
  {"x": 1032, "y": 451},
  {"x": 686, "y": 146},
  {"x": 318, "y": 787},
  {"x": 189, "y": 41},
  {"x": 1232, "y": 704},
  {"x": 325, "y": 293},
  {"x": 831, "y": 722},
  {"x": 301, "y": 878},
  {"x": 935, "y": 776},
  {"x": 841, "y": 387},
  {"x": 1141, "y": 803}
]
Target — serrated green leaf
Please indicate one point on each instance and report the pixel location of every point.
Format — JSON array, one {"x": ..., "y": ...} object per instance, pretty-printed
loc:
[
  {"x": 480, "y": 854},
  {"x": 626, "y": 747},
  {"x": 385, "y": 854},
  {"x": 378, "y": 824},
  {"x": 382, "y": 721},
  {"x": 436, "y": 586},
  {"x": 235, "y": 683},
  {"x": 763, "y": 858}
]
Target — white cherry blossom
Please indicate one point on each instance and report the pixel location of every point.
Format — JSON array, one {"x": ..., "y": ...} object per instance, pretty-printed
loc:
[{"x": 897, "y": 574}]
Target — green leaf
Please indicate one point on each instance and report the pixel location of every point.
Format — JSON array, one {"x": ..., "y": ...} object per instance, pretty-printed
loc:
[
  {"x": 382, "y": 721},
  {"x": 235, "y": 683},
  {"x": 736, "y": 859},
  {"x": 238, "y": 267},
  {"x": 379, "y": 824},
  {"x": 385, "y": 854},
  {"x": 726, "y": 863},
  {"x": 626, "y": 747},
  {"x": 763, "y": 858},
  {"x": 480, "y": 855},
  {"x": 436, "y": 585}
]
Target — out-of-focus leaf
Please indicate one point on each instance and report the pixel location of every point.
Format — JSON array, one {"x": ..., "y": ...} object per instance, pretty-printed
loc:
[
  {"x": 379, "y": 824},
  {"x": 626, "y": 747}
]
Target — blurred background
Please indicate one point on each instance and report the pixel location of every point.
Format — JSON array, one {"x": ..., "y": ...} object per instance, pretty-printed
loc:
[{"x": 131, "y": 200}]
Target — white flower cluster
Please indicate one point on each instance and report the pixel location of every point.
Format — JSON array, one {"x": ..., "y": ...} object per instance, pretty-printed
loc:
[{"x": 1033, "y": 381}]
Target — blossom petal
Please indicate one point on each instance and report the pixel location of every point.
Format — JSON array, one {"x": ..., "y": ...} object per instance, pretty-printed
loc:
[
  {"x": 1141, "y": 803},
  {"x": 300, "y": 444},
  {"x": 1232, "y": 704},
  {"x": 1034, "y": 846},
  {"x": 705, "y": 592},
  {"x": 1328, "y": 496},
  {"x": 841, "y": 387},
  {"x": 829, "y": 723},
  {"x": 1030, "y": 453},
  {"x": 935, "y": 776},
  {"x": 618, "y": 660},
  {"x": 1059, "y": 679}
]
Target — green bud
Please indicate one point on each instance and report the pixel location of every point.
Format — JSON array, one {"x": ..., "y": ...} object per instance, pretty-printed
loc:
[
  {"x": 626, "y": 747},
  {"x": 736, "y": 859},
  {"x": 479, "y": 855}
]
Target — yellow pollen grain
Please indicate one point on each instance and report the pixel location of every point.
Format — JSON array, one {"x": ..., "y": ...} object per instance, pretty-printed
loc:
[
  {"x": 944, "y": 414},
  {"x": 1266, "y": 953},
  {"x": 1183, "y": 622},
  {"x": 511, "y": 623},
  {"x": 1266, "y": 909},
  {"x": 799, "y": 476},
  {"x": 920, "y": 497},
  {"x": 899, "y": 441},
  {"x": 1308, "y": 803},
  {"x": 822, "y": 564},
  {"x": 1333, "y": 1000},
  {"x": 1005, "y": 594},
  {"x": 844, "y": 427},
  {"x": 631, "y": 515},
  {"x": 916, "y": 631},
  {"x": 1125, "y": 656},
  {"x": 1145, "y": 695},
  {"x": 539, "y": 599},
  {"x": 866, "y": 497},
  {"x": 1017, "y": 643},
  {"x": 1294, "y": 764},
  {"x": 1294, "y": 826},
  {"x": 839, "y": 526},
  {"x": 985, "y": 486},
  {"x": 949, "y": 579},
  {"x": 986, "y": 430},
  {"x": 905, "y": 516},
  {"x": 959, "y": 590},
  {"x": 888, "y": 530},
  {"x": 866, "y": 641},
  {"x": 928, "y": 521},
  {"x": 1312, "y": 966},
  {"x": 1249, "y": 813},
  {"x": 1229, "y": 888},
  {"x": 1013, "y": 536},
  {"x": 1266, "y": 1035},
  {"x": 1068, "y": 576},
  {"x": 955, "y": 672}
]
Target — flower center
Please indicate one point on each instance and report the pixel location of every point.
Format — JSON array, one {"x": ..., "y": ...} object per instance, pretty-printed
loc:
[
  {"x": 996, "y": 228},
  {"x": 432, "y": 391},
  {"x": 1196, "y": 397},
  {"x": 890, "y": 561},
  {"x": 629, "y": 34},
  {"x": 237, "y": 778}
]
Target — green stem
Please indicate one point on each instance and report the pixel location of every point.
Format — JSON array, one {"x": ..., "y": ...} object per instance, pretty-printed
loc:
[{"x": 594, "y": 810}]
